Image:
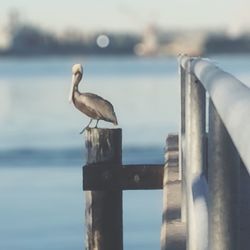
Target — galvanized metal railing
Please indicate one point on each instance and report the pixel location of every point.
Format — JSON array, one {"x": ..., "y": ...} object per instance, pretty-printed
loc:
[{"x": 214, "y": 138}]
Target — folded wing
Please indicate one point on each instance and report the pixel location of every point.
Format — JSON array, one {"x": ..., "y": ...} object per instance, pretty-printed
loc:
[{"x": 102, "y": 108}]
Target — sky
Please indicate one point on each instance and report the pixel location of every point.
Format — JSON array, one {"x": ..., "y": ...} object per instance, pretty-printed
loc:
[{"x": 131, "y": 15}]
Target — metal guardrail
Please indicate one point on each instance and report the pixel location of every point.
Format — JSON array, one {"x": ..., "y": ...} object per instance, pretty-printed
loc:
[
  {"x": 231, "y": 99},
  {"x": 210, "y": 158}
]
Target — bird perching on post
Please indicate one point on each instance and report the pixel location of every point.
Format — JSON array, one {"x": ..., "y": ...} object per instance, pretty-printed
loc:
[{"x": 90, "y": 104}]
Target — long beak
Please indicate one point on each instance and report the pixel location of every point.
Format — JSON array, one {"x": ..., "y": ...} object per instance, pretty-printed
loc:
[{"x": 72, "y": 88}]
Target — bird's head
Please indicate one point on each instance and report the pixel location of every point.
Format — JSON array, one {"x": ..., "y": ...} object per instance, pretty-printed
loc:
[
  {"x": 77, "y": 69},
  {"x": 77, "y": 72}
]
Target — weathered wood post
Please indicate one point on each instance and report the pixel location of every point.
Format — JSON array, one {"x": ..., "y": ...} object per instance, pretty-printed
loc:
[
  {"x": 103, "y": 212},
  {"x": 171, "y": 162}
]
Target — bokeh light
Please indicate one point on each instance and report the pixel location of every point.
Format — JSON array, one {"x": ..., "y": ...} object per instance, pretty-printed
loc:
[{"x": 102, "y": 41}]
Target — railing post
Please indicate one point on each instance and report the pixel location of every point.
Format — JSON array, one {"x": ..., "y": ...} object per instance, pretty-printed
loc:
[
  {"x": 103, "y": 212},
  {"x": 182, "y": 146},
  {"x": 194, "y": 145},
  {"x": 223, "y": 183},
  {"x": 244, "y": 206}
]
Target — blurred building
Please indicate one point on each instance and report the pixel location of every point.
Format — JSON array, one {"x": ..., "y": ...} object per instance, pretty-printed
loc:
[
  {"x": 191, "y": 43},
  {"x": 170, "y": 43},
  {"x": 4, "y": 38},
  {"x": 149, "y": 44}
]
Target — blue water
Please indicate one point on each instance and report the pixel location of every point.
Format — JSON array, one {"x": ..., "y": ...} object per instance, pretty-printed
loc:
[{"x": 41, "y": 151}]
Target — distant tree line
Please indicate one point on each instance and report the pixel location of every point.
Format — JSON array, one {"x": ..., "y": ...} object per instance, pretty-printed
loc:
[
  {"x": 217, "y": 44},
  {"x": 27, "y": 39},
  {"x": 30, "y": 40}
]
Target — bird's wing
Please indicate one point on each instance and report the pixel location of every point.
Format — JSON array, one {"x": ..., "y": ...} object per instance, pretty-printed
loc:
[{"x": 102, "y": 107}]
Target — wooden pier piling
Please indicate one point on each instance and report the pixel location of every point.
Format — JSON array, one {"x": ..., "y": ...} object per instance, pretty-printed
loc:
[
  {"x": 103, "y": 212},
  {"x": 173, "y": 229},
  {"x": 104, "y": 179}
]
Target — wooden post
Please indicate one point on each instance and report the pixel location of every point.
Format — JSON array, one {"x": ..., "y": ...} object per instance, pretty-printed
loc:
[
  {"x": 171, "y": 161},
  {"x": 103, "y": 212}
]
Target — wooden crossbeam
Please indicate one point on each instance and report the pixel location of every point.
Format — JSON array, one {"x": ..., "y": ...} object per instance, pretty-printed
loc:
[{"x": 104, "y": 176}]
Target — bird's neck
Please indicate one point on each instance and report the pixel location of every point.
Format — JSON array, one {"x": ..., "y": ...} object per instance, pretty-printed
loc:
[
  {"x": 76, "y": 88},
  {"x": 76, "y": 92}
]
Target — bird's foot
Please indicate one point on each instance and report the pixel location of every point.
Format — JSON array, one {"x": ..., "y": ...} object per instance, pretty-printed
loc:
[
  {"x": 96, "y": 124},
  {"x": 86, "y": 126},
  {"x": 84, "y": 129}
]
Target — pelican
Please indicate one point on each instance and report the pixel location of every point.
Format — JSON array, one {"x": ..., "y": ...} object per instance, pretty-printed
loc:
[{"x": 90, "y": 104}]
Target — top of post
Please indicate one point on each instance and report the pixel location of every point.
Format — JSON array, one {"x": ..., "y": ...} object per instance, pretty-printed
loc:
[{"x": 103, "y": 145}]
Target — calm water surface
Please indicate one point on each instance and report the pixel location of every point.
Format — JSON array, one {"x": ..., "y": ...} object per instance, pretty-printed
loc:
[{"x": 41, "y": 151}]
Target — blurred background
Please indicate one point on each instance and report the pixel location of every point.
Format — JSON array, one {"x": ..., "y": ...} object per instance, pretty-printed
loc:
[{"x": 129, "y": 52}]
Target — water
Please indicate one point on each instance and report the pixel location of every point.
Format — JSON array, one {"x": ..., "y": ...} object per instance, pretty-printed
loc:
[
  {"x": 41, "y": 151},
  {"x": 34, "y": 100}
]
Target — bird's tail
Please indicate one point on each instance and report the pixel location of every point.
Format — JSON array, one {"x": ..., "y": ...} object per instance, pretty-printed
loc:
[
  {"x": 115, "y": 122},
  {"x": 114, "y": 118}
]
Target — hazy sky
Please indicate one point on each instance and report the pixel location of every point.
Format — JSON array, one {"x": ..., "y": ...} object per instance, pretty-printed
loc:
[{"x": 131, "y": 14}]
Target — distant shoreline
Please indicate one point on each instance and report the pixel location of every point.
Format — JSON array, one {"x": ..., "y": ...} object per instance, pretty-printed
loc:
[{"x": 110, "y": 55}]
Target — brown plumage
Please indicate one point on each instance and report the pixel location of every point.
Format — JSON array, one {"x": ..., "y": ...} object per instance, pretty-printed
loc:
[{"x": 90, "y": 104}]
